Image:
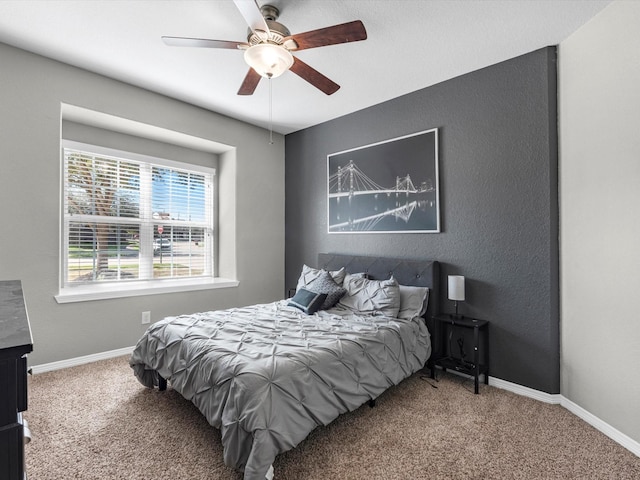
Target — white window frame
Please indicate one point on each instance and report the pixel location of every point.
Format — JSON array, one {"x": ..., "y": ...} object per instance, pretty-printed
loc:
[{"x": 95, "y": 291}]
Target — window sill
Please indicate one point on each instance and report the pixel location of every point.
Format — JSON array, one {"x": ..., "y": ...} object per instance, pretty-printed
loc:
[{"x": 83, "y": 293}]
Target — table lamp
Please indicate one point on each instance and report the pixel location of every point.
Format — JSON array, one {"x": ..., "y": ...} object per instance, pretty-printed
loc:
[{"x": 456, "y": 291}]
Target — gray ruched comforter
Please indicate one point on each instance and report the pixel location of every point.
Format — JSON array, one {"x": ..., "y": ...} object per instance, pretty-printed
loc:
[{"x": 267, "y": 375}]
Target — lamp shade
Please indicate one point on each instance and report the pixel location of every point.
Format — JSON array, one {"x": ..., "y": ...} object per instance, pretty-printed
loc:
[
  {"x": 456, "y": 288},
  {"x": 268, "y": 60}
]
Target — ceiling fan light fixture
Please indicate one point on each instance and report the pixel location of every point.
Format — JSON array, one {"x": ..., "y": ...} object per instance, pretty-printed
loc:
[{"x": 268, "y": 60}]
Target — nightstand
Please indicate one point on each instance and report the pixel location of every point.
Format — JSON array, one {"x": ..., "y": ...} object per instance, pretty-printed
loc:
[{"x": 445, "y": 327}]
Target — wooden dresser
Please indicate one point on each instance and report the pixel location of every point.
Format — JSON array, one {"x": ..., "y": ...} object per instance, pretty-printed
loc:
[{"x": 15, "y": 344}]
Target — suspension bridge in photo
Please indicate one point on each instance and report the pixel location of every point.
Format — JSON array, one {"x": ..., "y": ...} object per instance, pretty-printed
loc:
[{"x": 350, "y": 181}]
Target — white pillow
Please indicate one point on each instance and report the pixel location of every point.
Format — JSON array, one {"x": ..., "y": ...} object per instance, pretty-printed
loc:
[
  {"x": 413, "y": 301},
  {"x": 371, "y": 296},
  {"x": 309, "y": 274}
]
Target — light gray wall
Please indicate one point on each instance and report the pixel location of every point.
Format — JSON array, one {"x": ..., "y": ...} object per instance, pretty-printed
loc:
[
  {"x": 32, "y": 89},
  {"x": 118, "y": 141},
  {"x": 498, "y": 179},
  {"x": 599, "y": 80}
]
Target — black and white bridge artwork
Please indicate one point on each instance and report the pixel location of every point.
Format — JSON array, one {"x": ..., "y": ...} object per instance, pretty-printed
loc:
[{"x": 359, "y": 203}]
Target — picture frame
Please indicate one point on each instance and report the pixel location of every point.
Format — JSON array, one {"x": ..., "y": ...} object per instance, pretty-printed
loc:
[{"x": 390, "y": 186}]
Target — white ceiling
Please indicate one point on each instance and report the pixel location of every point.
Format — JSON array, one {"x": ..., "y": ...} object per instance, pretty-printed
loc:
[{"x": 411, "y": 44}]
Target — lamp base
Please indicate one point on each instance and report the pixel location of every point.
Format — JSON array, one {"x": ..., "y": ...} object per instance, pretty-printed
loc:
[{"x": 456, "y": 314}]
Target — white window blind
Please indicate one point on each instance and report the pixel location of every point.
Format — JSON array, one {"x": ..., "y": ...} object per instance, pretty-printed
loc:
[{"x": 129, "y": 217}]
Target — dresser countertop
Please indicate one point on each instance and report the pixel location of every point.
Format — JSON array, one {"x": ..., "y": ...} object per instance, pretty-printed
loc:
[{"x": 15, "y": 332}]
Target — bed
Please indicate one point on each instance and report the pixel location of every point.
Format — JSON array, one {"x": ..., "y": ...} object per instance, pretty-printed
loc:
[{"x": 267, "y": 375}]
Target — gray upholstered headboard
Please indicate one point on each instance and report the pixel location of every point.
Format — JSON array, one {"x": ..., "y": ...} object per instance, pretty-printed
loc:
[{"x": 421, "y": 273}]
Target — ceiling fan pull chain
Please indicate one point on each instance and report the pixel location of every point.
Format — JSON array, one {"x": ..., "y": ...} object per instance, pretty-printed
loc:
[{"x": 270, "y": 114}]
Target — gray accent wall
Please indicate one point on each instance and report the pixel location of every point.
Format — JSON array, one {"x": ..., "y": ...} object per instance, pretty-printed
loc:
[{"x": 499, "y": 202}]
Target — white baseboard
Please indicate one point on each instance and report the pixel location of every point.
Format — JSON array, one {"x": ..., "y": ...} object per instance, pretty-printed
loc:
[
  {"x": 616, "y": 435},
  {"x": 72, "y": 362},
  {"x": 513, "y": 387},
  {"x": 526, "y": 391}
]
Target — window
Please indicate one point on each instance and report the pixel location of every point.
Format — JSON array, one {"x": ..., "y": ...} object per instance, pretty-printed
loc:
[{"x": 131, "y": 218}]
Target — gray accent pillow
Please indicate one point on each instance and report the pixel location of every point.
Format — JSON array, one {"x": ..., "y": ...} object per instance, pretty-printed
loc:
[
  {"x": 325, "y": 283},
  {"x": 309, "y": 274},
  {"x": 413, "y": 301},
  {"x": 307, "y": 301},
  {"x": 371, "y": 296}
]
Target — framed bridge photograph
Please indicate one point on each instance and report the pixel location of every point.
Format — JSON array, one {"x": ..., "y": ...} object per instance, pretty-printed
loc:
[{"x": 385, "y": 187}]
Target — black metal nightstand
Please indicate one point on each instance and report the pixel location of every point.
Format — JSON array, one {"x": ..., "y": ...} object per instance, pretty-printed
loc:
[{"x": 443, "y": 357}]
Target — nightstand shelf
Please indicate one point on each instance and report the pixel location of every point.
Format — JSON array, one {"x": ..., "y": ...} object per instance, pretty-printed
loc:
[{"x": 444, "y": 325}]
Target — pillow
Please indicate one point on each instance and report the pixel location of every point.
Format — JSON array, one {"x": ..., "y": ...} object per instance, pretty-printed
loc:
[
  {"x": 307, "y": 301},
  {"x": 325, "y": 283},
  {"x": 371, "y": 296},
  {"x": 413, "y": 301},
  {"x": 309, "y": 274},
  {"x": 349, "y": 277}
]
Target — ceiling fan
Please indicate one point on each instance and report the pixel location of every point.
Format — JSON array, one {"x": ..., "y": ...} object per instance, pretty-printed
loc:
[{"x": 269, "y": 45}]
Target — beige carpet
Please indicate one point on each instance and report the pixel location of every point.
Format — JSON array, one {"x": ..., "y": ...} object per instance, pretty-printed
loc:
[{"x": 97, "y": 422}]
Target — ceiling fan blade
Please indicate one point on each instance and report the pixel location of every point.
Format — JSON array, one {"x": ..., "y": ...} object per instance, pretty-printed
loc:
[
  {"x": 202, "y": 42},
  {"x": 343, "y": 33},
  {"x": 314, "y": 77},
  {"x": 250, "y": 10},
  {"x": 250, "y": 83}
]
